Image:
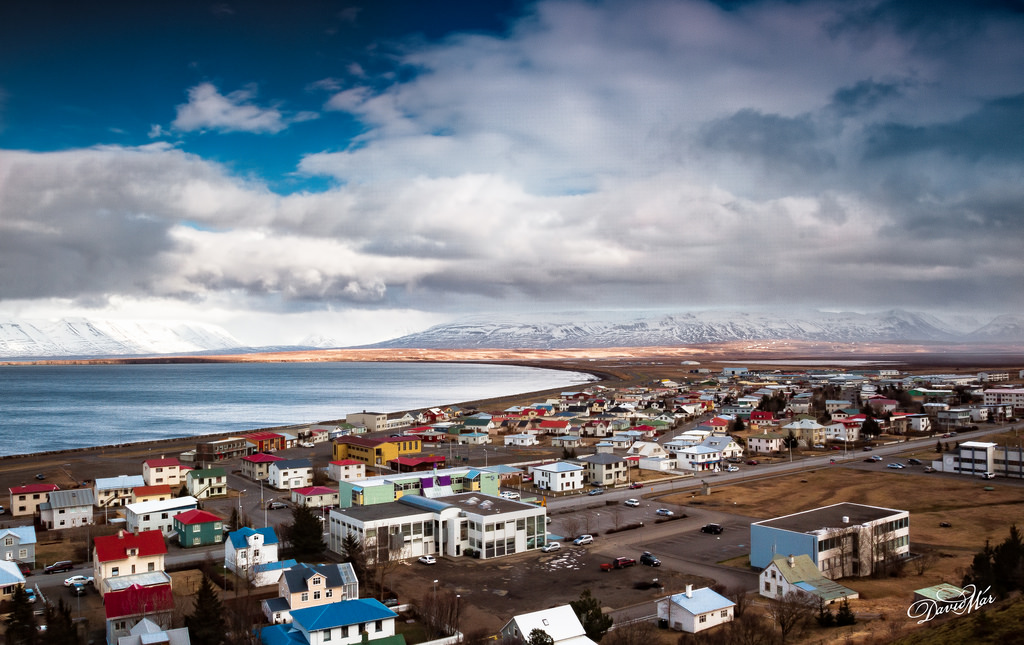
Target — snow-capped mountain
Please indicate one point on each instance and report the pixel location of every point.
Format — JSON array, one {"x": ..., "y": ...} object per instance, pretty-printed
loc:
[
  {"x": 80, "y": 338},
  {"x": 564, "y": 331}
]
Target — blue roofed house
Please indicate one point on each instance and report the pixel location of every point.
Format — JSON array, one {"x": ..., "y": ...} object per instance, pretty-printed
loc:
[
  {"x": 246, "y": 548},
  {"x": 338, "y": 623},
  {"x": 18, "y": 544},
  {"x": 10, "y": 579},
  {"x": 695, "y": 610},
  {"x": 306, "y": 585}
]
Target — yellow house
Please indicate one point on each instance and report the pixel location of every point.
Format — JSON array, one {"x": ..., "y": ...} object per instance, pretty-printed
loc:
[
  {"x": 157, "y": 493},
  {"x": 376, "y": 452},
  {"x": 126, "y": 554}
]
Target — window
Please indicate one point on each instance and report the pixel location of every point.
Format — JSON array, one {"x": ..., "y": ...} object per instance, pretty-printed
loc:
[
  {"x": 703, "y": 618},
  {"x": 23, "y": 553},
  {"x": 195, "y": 541},
  {"x": 114, "y": 571},
  {"x": 327, "y": 634},
  {"x": 305, "y": 596},
  {"x": 330, "y": 593},
  {"x": 316, "y": 595},
  {"x": 9, "y": 542},
  {"x": 767, "y": 586},
  {"x": 379, "y": 625},
  {"x": 344, "y": 631},
  {"x": 725, "y": 613}
]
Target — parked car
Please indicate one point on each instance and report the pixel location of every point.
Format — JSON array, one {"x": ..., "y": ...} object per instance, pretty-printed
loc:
[
  {"x": 819, "y": 446},
  {"x": 633, "y": 486},
  {"x": 623, "y": 562},
  {"x": 25, "y": 569},
  {"x": 59, "y": 567},
  {"x": 427, "y": 559},
  {"x": 596, "y": 491},
  {"x": 894, "y": 466},
  {"x": 988, "y": 475},
  {"x": 663, "y": 511},
  {"x": 79, "y": 590},
  {"x": 586, "y": 538},
  {"x": 391, "y": 602},
  {"x": 509, "y": 494},
  {"x": 929, "y": 469},
  {"x": 866, "y": 448},
  {"x": 714, "y": 529},
  {"x": 732, "y": 468},
  {"x": 40, "y": 476},
  {"x": 648, "y": 559},
  {"x": 876, "y": 457},
  {"x": 869, "y": 460},
  {"x": 2, "y": 509},
  {"x": 632, "y": 502},
  {"x": 945, "y": 525},
  {"x": 307, "y": 444},
  {"x": 276, "y": 505},
  {"x": 752, "y": 462},
  {"x": 551, "y": 546},
  {"x": 78, "y": 580},
  {"x": 31, "y": 593}
]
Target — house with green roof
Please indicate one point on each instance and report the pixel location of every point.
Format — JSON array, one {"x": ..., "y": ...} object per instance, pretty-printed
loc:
[
  {"x": 207, "y": 483},
  {"x": 799, "y": 574}
]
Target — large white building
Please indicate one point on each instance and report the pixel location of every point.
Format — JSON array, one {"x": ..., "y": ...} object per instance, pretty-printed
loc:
[
  {"x": 979, "y": 457},
  {"x": 843, "y": 539},
  {"x": 464, "y": 524}
]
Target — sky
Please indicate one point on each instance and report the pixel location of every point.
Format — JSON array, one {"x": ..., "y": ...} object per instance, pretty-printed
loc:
[{"x": 363, "y": 171}]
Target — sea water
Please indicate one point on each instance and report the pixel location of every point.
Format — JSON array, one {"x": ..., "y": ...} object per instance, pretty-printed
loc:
[{"x": 57, "y": 407}]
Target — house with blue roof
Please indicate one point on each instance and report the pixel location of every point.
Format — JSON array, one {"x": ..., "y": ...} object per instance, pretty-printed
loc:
[
  {"x": 339, "y": 623},
  {"x": 695, "y": 610},
  {"x": 247, "y": 548},
  {"x": 10, "y": 579}
]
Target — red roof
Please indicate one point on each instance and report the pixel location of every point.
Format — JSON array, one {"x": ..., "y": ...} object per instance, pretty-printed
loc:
[
  {"x": 554, "y": 424},
  {"x": 196, "y": 516},
  {"x": 34, "y": 488},
  {"x": 316, "y": 490},
  {"x": 262, "y": 458},
  {"x": 137, "y": 600},
  {"x": 115, "y": 547},
  {"x": 416, "y": 461},
  {"x": 156, "y": 489},
  {"x": 157, "y": 463},
  {"x": 262, "y": 436},
  {"x": 347, "y": 462}
]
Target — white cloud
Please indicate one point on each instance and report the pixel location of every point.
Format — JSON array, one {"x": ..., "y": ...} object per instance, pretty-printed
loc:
[{"x": 208, "y": 109}]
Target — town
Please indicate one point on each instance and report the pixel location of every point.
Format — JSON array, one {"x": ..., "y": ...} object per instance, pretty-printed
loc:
[{"x": 702, "y": 504}]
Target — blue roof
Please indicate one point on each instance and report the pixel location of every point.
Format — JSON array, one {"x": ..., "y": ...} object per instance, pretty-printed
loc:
[
  {"x": 26, "y": 534},
  {"x": 282, "y": 635},
  {"x": 240, "y": 538},
  {"x": 274, "y": 566},
  {"x": 338, "y": 614},
  {"x": 702, "y": 601}
]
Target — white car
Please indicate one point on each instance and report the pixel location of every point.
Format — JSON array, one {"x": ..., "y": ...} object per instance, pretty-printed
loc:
[
  {"x": 664, "y": 511},
  {"x": 77, "y": 580},
  {"x": 632, "y": 502},
  {"x": 507, "y": 494},
  {"x": 584, "y": 539},
  {"x": 732, "y": 469},
  {"x": 551, "y": 546},
  {"x": 427, "y": 559},
  {"x": 894, "y": 466},
  {"x": 307, "y": 444}
]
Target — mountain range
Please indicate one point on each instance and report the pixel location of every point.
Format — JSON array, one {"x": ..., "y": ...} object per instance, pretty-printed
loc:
[{"x": 88, "y": 338}]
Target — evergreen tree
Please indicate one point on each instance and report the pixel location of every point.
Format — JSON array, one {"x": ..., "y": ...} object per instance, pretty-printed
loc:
[
  {"x": 938, "y": 447},
  {"x": 870, "y": 428},
  {"x": 352, "y": 552},
  {"x": 588, "y": 609},
  {"x": 825, "y": 616},
  {"x": 206, "y": 625},
  {"x": 539, "y": 637},
  {"x": 305, "y": 534},
  {"x": 235, "y": 519},
  {"x": 60, "y": 628},
  {"x": 845, "y": 615},
  {"x": 21, "y": 622},
  {"x": 737, "y": 425}
]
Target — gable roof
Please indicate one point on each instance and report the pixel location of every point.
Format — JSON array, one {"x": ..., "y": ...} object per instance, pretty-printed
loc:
[
  {"x": 261, "y": 458},
  {"x": 72, "y": 498},
  {"x": 33, "y": 488},
  {"x": 197, "y": 516},
  {"x": 155, "y": 489},
  {"x": 240, "y": 538},
  {"x": 25, "y": 534},
  {"x": 115, "y": 547},
  {"x": 316, "y": 490},
  {"x": 296, "y": 579},
  {"x": 560, "y": 623},
  {"x": 701, "y": 601},
  {"x": 121, "y": 481},
  {"x": 338, "y": 614},
  {"x": 800, "y": 570},
  {"x": 158, "y": 463}
]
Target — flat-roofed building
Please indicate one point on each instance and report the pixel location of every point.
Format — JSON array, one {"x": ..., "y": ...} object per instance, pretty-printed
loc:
[
  {"x": 116, "y": 491},
  {"x": 843, "y": 539},
  {"x": 383, "y": 489}
]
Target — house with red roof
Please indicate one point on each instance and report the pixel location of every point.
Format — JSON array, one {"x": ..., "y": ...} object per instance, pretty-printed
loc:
[
  {"x": 417, "y": 464},
  {"x": 25, "y": 500},
  {"x": 315, "y": 496},
  {"x": 126, "y": 607},
  {"x": 126, "y": 554},
  {"x": 198, "y": 528},
  {"x": 257, "y": 466},
  {"x": 157, "y": 493},
  {"x": 554, "y": 427},
  {"x": 346, "y": 470},
  {"x": 266, "y": 441},
  {"x": 163, "y": 471}
]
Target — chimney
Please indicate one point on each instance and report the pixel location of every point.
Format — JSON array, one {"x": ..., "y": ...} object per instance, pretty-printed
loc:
[
  {"x": 689, "y": 591},
  {"x": 120, "y": 534},
  {"x": 792, "y": 561},
  {"x": 846, "y": 519}
]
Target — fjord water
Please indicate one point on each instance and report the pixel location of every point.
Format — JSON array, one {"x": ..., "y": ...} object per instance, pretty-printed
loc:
[{"x": 51, "y": 407}]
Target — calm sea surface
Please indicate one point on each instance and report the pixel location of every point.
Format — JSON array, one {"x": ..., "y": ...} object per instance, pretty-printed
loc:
[{"x": 45, "y": 408}]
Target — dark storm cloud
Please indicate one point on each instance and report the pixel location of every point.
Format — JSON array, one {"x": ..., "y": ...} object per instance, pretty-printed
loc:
[
  {"x": 864, "y": 96},
  {"x": 770, "y": 137}
]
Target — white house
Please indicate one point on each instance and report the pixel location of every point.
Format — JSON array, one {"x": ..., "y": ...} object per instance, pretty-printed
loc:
[
  {"x": 765, "y": 443},
  {"x": 695, "y": 610},
  {"x": 166, "y": 470},
  {"x": 346, "y": 470},
  {"x": 339, "y": 623},
  {"x": 521, "y": 440},
  {"x": 315, "y": 496},
  {"x": 67, "y": 508},
  {"x": 647, "y": 449},
  {"x": 290, "y": 473},
  {"x": 699, "y": 459},
  {"x": 246, "y": 548},
  {"x": 558, "y": 476},
  {"x": 116, "y": 491},
  {"x": 157, "y": 515},
  {"x": 843, "y": 431},
  {"x": 799, "y": 574},
  {"x": 724, "y": 445},
  {"x": 560, "y": 623}
]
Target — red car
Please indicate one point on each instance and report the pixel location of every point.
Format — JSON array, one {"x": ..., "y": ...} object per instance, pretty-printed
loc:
[
  {"x": 636, "y": 485},
  {"x": 752, "y": 462}
]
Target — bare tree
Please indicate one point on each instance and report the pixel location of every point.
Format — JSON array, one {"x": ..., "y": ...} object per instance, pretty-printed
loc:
[
  {"x": 571, "y": 522},
  {"x": 924, "y": 562},
  {"x": 789, "y": 613},
  {"x": 439, "y": 612},
  {"x": 616, "y": 513},
  {"x": 384, "y": 552},
  {"x": 741, "y": 597},
  {"x": 638, "y": 633}
]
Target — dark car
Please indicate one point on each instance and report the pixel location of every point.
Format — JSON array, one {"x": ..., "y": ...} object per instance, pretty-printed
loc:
[
  {"x": 275, "y": 505},
  {"x": 648, "y": 558},
  {"x": 78, "y": 590},
  {"x": 752, "y": 462},
  {"x": 714, "y": 529},
  {"x": 60, "y": 566},
  {"x": 914, "y": 462},
  {"x": 40, "y": 476}
]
